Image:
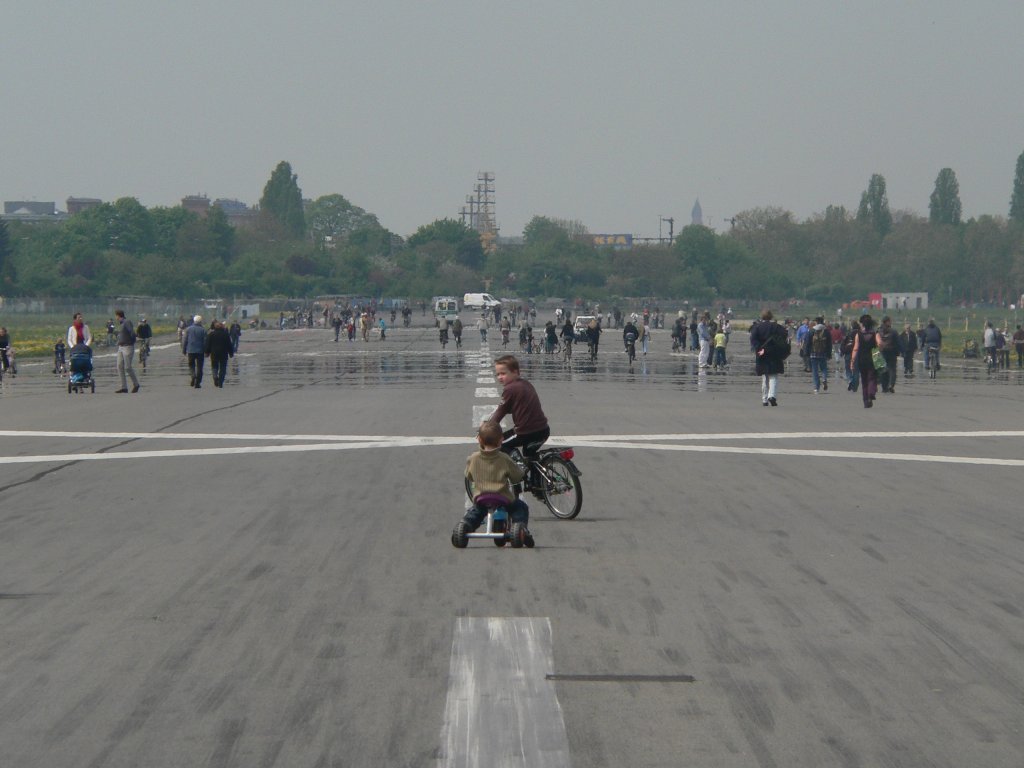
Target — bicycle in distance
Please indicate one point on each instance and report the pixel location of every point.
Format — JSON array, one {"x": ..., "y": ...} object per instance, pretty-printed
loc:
[
  {"x": 631, "y": 347},
  {"x": 933, "y": 362},
  {"x": 143, "y": 352}
]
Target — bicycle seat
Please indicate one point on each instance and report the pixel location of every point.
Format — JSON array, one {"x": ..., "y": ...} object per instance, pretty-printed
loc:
[{"x": 491, "y": 500}]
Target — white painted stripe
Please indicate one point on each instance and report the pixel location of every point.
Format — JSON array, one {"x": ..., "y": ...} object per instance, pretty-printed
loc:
[
  {"x": 487, "y": 392},
  {"x": 211, "y": 436},
  {"x": 694, "y": 436},
  {"x": 928, "y": 458},
  {"x": 410, "y": 442},
  {"x": 501, "y": 709},
  {"x": 561, "y": 440},
  {"x": 481, "y": 412}
]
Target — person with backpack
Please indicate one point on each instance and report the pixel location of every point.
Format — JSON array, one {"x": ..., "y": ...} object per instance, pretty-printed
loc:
[
  {"x": 889, "y": 343},
  {"x": 818, "y": 349},
  {"x": 770, "y": 342}
]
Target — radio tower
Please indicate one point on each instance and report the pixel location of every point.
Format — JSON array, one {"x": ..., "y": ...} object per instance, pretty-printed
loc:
[{"x": 478, "y": 213}]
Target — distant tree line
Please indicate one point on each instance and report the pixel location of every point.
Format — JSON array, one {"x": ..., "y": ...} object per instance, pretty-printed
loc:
[{"x": 331, "y": 246}]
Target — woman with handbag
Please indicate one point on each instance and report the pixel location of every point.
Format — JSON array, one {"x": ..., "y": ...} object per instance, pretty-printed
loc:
[{"x": 867, "y": 357}]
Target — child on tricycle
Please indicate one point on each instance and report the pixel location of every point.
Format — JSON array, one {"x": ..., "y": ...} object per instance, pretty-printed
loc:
[{"x": 492, "y": 474}]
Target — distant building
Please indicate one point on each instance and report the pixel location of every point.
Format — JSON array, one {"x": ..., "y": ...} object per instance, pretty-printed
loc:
[
  {"x": 79, "y": 204},
  {"x": 903, "y": 301},
  {"x": 697, "y": 215},
  {"x": 31, "y": 211},
  {"x": 197, "y": 204},
  {"x": 29, "y": 208},
  {"x": 239, "y": 215}
]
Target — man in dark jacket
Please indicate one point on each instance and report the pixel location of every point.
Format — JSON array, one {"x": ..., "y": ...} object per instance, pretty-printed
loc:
[
  {"x": 219, "y": 347},
  {"x": 908, "y": 346},
  {"x": 891, "y": 352},
  {"x": 770, "y": 353}
]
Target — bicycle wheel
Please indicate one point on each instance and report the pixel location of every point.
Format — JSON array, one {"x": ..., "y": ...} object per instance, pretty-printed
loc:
[
  {"x": 563, "y": 493},
  {"x": 632, "y": 354}
]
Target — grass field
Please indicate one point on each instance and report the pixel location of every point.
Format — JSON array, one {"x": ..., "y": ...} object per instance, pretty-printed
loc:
[{"x": 35, "y": 335}]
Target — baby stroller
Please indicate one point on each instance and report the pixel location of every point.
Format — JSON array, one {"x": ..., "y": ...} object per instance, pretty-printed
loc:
[
  {"x": 81, "y": 370},
  {"x": 970, "y": 348}
]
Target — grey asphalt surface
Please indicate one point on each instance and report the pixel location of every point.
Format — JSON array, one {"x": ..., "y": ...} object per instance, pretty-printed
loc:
[{"x": 286, "y": 609}]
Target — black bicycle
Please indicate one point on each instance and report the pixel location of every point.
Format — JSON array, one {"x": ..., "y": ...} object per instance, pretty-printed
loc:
[
  {"x": 552, "y": 477},
  {"x": 631, "y": 347},
  {"x": 143, "y": 352}
]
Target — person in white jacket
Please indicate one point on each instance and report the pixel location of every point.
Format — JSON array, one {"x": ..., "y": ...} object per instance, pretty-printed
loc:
[{"x": 79, "y": 331}]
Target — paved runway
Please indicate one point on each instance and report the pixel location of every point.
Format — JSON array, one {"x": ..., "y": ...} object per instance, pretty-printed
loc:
[{"x": 262, "y": 576}]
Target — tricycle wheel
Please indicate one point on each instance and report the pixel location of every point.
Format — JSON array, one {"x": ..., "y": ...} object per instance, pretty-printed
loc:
[
  {"x": 459, "y": 538},
  {"x": 69, "y": 387}
]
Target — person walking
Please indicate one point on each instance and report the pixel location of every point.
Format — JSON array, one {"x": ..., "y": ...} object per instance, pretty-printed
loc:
[
  {"x": 989, "y": 343},
  {"x": 908, "y": 346},
  {"x": 1018, "y": 344},
  {"x": 889, "y": 343},
  {"x": 193, "y": 344},
  {"x": 78, "y": 331},
  {"x": 852, "y": 376},
  {"x": 867, "y": 339},
  {"x": 817, "y": 350},
  {"x": 770, "y": 343},
  {"x": 704, "y": 337},
  {"x": 219, "y": 347},
  {"x": 235, "y": 332},
  {"x": 125, "y": 352}
]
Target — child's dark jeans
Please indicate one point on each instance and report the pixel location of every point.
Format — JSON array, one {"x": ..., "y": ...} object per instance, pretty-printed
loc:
[{"x": 518, "y": 512}]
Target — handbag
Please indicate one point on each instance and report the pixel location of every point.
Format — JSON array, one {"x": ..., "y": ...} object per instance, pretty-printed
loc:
[{"x": 877, "y": 359}]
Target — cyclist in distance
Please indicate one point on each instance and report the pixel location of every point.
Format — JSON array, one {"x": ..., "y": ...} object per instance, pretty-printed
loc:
[
  {"x": 568, "y": 333},
  {"x": 627, "y": 329}
]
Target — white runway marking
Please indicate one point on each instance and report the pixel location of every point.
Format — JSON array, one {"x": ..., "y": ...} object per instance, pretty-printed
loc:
[
  {"x": 313, "y": 443},
  {"x": 486, "y": 392},
  {"x": 501, "y": 709}
]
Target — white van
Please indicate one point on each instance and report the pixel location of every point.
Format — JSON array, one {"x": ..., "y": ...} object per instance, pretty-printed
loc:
[
  {"x": 480, "y": 301},
  {"x": 446, "y": 307}
]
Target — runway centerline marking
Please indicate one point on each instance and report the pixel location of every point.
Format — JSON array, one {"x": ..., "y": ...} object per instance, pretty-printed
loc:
[{"x": 502, "y": 708}]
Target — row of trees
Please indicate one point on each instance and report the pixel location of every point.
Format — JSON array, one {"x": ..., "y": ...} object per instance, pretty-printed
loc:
[{"x": 332, "y": 246}]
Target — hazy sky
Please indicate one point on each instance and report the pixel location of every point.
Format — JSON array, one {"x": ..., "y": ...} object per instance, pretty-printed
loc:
[{"x": 613, "y": 113}]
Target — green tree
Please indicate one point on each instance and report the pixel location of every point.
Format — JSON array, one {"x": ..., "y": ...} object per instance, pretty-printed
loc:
[
  {"x": 466, "y": 248},
  {"x": 1017, "y": 198},
  {"x": 282, "y": 200},
  {"x": 5, "y": 250},
  {"x": 874, "y": 206},
  {"x": 541, "y": 229},
  {"x": 221, "y": 235},
  {"x": 335, "y": 217},
  {"x": 166, "y": 224},
  {"x": 944, "y": 205}
]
